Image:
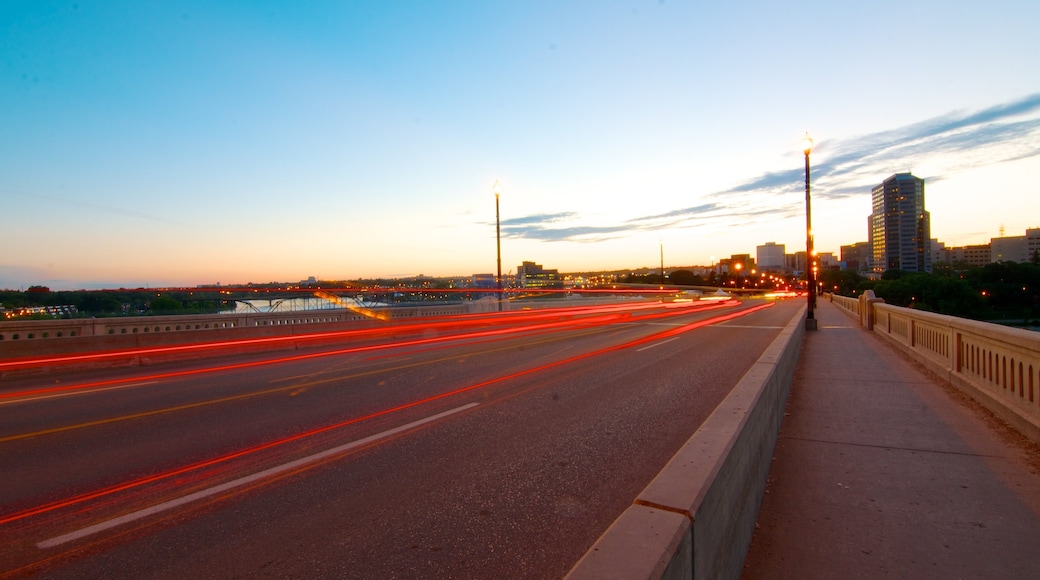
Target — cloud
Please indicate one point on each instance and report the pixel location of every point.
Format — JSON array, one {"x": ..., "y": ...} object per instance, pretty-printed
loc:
[
  {"x": 586, "y": 234},
  {"x": 539, "y": 218},
  {"x": 89, "y": 205},
  {"x": 953, "y": 142},
  {"x": 684, "y": 212},
  {"x": 957, "y": 141}
]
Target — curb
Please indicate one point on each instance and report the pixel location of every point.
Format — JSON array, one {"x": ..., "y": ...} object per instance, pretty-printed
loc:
[{"x": 696, "y": 518}]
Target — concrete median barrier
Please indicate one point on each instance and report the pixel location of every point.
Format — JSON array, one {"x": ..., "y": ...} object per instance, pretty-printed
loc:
[{"x": 696, "y": 518}]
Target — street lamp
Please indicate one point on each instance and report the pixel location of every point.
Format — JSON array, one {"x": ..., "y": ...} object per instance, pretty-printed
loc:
[
  {"x": 498, "y": 247},
  {"x": 810, "y": 318},
  {"x": 662, "y": 265}
]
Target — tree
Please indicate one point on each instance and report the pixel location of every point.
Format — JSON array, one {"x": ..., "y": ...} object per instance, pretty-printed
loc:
[
  {"x": 685, "y": 278},
  {"x": 894, "y": 274},
  {"x": 921, "y": 291},
  {"x": 163, "y": 304},
  {"x": 844, "y": 282}
]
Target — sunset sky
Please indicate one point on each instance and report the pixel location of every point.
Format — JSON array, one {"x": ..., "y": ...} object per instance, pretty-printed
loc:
[{"x": 183, "y": 143}]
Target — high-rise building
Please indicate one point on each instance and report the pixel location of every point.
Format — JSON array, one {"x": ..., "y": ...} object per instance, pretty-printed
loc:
[{"x": 900, "y": 229}]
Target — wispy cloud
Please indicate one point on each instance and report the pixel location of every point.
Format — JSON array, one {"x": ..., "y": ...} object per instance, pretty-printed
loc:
[
  {"x": 586, "y": 234},
  {"x": 952, "y": 142},
  {"x": 542, "y": 218},
  {"x": 956, "y": 141},
  {"x": 88, "y": 205}
]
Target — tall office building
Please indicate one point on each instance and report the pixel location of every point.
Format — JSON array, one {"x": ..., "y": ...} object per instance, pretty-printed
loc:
[{"x": 900, "y": 229}]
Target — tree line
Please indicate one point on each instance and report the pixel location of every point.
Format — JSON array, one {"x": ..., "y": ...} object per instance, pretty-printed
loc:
[
  {"x": 998, "y": 291},
  {"x": 117, "y": 302}
]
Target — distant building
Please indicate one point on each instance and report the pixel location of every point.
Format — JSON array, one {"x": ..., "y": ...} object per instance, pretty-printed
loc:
[
  {"x": 1008, "y": 249},
  {"x": 795, "y": 262},
  {"x": 744, "y": 261},
  {"x": 484, "y": 281},
  {"x": 1033, "y": 244},
  {"x": 940, "y": 253},
  {"x": 978, "y": 255},
  {"x": 827, "y": 261},
  {"x": 900, "y": 228},
  {"x": 531, "y": 275},
  {"x": 856, "y": 257},
  {"x": 1015, "y": 248},
  {"x": 770, "y": 257},
  {"x": 1003, "y": 249}
]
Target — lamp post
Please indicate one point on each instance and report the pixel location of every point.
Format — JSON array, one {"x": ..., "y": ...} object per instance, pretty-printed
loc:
[
  {"x": 810, "y": 270},
  {"x": 662, "y": 265},
  {"x": 498, "y": 248}
]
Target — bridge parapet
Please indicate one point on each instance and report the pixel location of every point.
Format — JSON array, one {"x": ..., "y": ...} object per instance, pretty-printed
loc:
[
  {"x": 996, "y": 365},
  {"x": 36, "y": 339}
]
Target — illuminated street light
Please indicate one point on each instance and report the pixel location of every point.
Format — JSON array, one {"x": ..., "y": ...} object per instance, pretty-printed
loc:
[
  {"x": 810, "y": 268},
  {"x": 662, "y": 265}
]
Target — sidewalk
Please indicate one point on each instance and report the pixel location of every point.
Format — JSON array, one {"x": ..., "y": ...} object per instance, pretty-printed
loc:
[{"x": 882, "y": 471}]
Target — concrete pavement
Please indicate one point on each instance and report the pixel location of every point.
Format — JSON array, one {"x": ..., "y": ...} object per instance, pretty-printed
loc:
[{"x": 881, "y": 470}]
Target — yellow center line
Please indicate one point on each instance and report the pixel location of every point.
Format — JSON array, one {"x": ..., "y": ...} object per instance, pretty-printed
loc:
[{"x": 74, "y": 393}]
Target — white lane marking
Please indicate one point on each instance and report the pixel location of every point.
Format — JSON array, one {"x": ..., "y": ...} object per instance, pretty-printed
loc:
[
  {"x": 649, "y": 346},
  {"x": 668, "y": 324},
  {"x": 725, "y": 325},
  {"x": 149, "y": 511},
  {"x": 73, "y": 393}
]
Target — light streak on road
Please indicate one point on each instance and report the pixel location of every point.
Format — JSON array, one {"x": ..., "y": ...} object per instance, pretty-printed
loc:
[
  {"x": 227, "y": 486},
  {"x": 165, "y": 410},
  {"x": 367, "y": 348},
  {"x": 453, "y": 323},
  {"x": 81, "y": 391},
  {"x": 250, "y": 451},
  {"x": 598, "y": 316}
]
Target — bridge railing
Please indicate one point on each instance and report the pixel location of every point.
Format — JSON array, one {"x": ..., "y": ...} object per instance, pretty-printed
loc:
[
  {"x": 998, "y": 366},
  {"x": 849, "y": 305},
  {"x": 23, "y": 340},
  {"x": 79, "y": 327},
  {"x": 21, "y": 330}
]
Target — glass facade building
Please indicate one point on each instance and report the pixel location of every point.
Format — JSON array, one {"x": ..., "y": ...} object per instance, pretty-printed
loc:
[{"x": 900, "y": 228}]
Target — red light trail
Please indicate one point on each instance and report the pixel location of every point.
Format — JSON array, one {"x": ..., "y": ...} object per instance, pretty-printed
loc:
[
  {"x": 439, "y": 325},
  {"x": 224, "y": 459}
]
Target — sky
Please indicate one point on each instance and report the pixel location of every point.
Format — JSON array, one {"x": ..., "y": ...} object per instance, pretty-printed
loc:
[{"x": 151, "y": 144}]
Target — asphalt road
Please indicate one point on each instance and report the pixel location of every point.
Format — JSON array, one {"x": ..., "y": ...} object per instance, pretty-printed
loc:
[{"x": 458, "y": 448}]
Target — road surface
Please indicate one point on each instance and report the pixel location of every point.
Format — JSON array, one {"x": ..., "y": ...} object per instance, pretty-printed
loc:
[{"x": 465, "y": 447}]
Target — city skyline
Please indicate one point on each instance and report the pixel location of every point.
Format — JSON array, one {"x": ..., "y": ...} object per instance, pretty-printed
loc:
[{"x": 196, "y": 144}]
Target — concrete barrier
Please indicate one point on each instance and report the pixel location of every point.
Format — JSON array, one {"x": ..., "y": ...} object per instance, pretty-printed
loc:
[
  {"x": 696, "y": 518},
  {"x": 997, "y": 366}
]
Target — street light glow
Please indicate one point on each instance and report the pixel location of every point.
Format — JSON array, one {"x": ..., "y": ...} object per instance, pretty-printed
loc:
[{"x": 810, "y": 253}]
